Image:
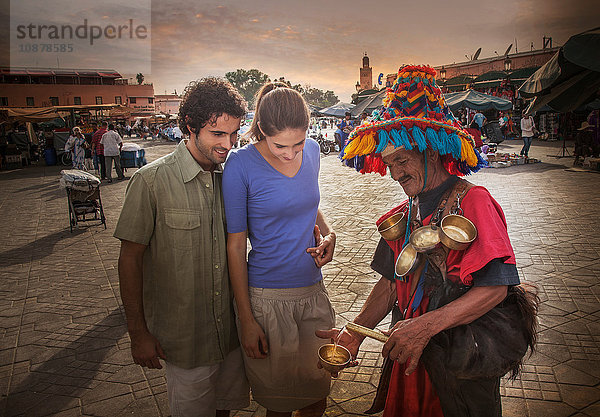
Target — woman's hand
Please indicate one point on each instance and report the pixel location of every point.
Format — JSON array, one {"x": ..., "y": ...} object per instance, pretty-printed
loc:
[
  {"x": 325, "y": 246},
  {"x": 254, "y": 341}
]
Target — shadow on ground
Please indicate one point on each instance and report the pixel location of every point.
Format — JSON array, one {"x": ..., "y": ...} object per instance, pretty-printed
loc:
[{"x": 58, "y": 382}]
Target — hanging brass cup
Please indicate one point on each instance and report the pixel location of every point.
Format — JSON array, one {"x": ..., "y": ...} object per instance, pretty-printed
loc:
[
  {"x": 393, "y": 228},
  {"x": 407, "y": 261},
  {"x": 425, "y": 238},
  {"x": 457, "y": 232}
]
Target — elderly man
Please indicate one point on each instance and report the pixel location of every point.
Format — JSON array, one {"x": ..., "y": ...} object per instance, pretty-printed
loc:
[{"x": 461, "y": 324}]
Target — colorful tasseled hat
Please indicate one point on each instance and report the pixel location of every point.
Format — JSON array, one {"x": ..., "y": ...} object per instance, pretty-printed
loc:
[{"x": 415, "y": 114}]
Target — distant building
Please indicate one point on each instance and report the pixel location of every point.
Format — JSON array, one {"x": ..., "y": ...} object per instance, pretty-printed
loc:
[
  {"x": 43, "y": 87},
  {"x": 167, "y": 103},
  {"x": 389, "y": 79},
  {"x": 507, "y": 63},
  {"x": 366, "y": 75}
]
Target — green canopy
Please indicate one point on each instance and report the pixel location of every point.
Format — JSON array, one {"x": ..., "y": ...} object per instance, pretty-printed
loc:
[
  {"x": 369, "y": 103},
  {"x": 337, "y": 110},
  {"x": 476, "y": 100},
  {"x": 490, "y": 76},
  {"x": 457, "y": 83},
  {"x": 520, "y": 75},
  {"x": 570, "y": 79}
]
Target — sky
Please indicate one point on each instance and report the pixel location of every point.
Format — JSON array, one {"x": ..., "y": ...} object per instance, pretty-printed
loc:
[{"x": 321, "y": 43}]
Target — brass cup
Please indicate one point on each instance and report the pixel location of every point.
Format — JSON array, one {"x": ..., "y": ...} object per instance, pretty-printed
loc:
[
  {"x": 407, "y": 261},
  {"x": 457, "y": 232},
  {"x": 334, "y": 358},
  {"x": 393, "y": 228},
  {"x": 425, "y": 238}
]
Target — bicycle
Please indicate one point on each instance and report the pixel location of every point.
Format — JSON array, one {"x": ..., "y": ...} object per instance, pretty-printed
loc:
[{"x": 65, "y": 158}]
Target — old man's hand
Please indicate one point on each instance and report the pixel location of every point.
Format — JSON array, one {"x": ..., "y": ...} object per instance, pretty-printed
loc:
[{"x": 406, "y": 342}]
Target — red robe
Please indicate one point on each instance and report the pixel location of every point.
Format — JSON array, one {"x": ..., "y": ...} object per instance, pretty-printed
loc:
[{"x": 414, "y": 395}]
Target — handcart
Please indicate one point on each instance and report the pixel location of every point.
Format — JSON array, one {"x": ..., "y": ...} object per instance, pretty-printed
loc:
[
  {"x": 132, "y": 156},
  {"x": 83, "y": 195}
]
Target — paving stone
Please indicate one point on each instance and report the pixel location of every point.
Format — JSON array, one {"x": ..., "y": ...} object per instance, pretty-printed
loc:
[
  {"x": 579, "y": 396},
  {"x": 105, "y": 390},
  {"x": 62, "y": 307},
  {"x": 566, "y": 374}
]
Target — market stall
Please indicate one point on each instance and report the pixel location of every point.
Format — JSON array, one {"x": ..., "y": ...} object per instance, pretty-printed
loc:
[
  {"x": 475, "y": 100},
  {"x": 337, "y": 110}
]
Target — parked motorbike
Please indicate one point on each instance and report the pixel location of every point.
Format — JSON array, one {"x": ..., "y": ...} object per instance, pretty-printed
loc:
[{"x": 327, "y": 145}]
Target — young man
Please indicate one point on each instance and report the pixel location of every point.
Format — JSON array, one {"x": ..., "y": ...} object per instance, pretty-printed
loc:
[
  {"x": 112, "y": 143},
  {"x": 173, "y": 266}
]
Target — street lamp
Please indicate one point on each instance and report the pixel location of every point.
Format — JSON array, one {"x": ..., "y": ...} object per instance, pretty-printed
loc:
[
  {"x": 507, "y": 64},
  {"x": 357, "y": 86},
  {"x": 443, "y": 73}
]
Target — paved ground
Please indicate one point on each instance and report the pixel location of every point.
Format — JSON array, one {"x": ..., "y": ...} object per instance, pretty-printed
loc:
[{"x": 64, "y": 349}]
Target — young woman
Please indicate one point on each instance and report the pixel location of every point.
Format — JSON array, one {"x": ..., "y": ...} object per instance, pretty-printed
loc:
[
  {"x": 527, "y": 132},
  {"x": 271, "y": 193},
  {"x": 76, "y": 144}
]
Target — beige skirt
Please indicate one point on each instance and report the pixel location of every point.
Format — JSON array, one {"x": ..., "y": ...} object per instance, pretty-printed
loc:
[{"x": 288, "y": 378}]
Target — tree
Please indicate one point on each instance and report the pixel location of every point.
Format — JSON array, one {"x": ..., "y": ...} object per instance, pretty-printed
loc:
[
  {"x": 247, "y": 82},
  {"x": 319, "y": 98},
  {"x": 140, "y": 78}
]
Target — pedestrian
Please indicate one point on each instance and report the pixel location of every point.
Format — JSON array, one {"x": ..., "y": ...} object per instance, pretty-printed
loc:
[
  {"x": 75, "y": 144},
  {"x": 112, "y": 144},
  {"x": 594, "y": 121},
  {"x": 94, "y": 128},
  {"x": 98, "y": 148},
  {"x": 503, "y": 123},
  {"x": 279, "y": 293},
  {"x": 463, "y": 320},
  {"x": 480, "y": 120},
  {"x": 527, "y": 132},
  {"x": 343, "y": 130},
  {"x": 88, "y": 160},
  {"x": 173, "y": 266}
]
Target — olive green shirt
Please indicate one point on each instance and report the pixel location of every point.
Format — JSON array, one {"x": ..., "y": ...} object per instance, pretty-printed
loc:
[{"x": 176, "y": 208}]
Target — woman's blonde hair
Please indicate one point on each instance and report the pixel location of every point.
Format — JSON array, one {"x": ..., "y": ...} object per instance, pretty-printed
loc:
[{"x": 278, "y": 108}]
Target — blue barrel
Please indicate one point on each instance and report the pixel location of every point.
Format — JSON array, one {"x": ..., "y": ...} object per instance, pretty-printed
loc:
[{"x": 50, "y": 156}]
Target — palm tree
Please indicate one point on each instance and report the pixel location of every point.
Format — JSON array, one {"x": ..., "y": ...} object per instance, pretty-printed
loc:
[{"x": 140, "y": 78}]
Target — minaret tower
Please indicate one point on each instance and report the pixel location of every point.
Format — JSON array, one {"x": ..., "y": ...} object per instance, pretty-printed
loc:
[{"x": 366, "y": 74}]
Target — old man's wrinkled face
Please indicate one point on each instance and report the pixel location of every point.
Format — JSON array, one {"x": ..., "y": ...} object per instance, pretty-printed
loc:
[{"x": 408, "y": 168}]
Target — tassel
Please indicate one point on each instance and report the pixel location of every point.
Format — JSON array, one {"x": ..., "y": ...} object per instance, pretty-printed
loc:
[
  {"x": 455, "y": 144},
  {"x": 434, "y": 142},
  {"x": 370, "y": 144},
  {"x": 349, "y": 150},
  {"x": 384, "y": 139},
  {"x": 468, "y": 154},
  {"x": 395, "y": 136},
  {"x": 445, "y": 146},
  {"x": 405, "y": 139},
  {"x": 420, "y": 141}
]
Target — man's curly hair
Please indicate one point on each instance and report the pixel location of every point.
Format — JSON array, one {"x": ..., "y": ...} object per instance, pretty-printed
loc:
[{"x": 205, "y": 100}]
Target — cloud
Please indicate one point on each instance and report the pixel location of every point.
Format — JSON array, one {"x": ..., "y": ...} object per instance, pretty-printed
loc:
[{"x": 322, "y": 43}]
